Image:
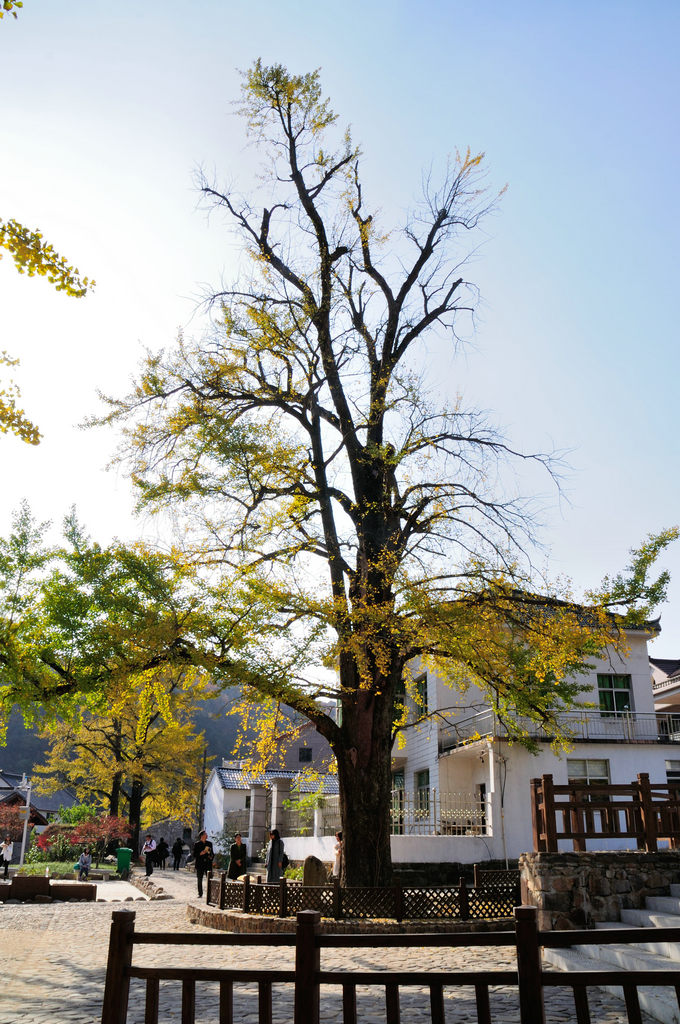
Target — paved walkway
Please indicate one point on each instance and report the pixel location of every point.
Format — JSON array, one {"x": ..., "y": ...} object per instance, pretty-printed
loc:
[{"x": 54, "y": 960}]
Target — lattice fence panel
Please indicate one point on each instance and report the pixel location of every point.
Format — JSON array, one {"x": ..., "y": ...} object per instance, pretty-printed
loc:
[
  {"x": 310, "y": 898},
  {"x": 500, "y": 878},
  {"x": 233, "y": 895},
  {"x": 359, "y": 903},
  {"x": 269, "y": 899},
  {"x": 213, "y": 890},
  {"x": 425, "y": 903},
  {"x": 486, "y": 902}
]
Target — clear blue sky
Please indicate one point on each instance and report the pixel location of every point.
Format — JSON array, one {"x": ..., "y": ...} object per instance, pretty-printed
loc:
[{"x": 108, "y": 109}]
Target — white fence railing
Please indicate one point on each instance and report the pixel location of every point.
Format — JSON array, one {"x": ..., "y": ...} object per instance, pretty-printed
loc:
[
  {"x": 625, "y": 726},
  {"x": 423, "y": 813}
]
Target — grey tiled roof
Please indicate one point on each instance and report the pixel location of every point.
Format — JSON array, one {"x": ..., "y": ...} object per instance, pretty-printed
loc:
[{"x": 234, "y": 778}]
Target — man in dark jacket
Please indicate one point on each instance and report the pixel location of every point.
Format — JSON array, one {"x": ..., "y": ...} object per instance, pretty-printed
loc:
[{"x": 203, "y": 858}]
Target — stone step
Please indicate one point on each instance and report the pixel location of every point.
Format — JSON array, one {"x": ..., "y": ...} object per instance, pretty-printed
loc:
[
  {"x": 666, "y": 904},
  {"x": 665, "y": 949},
  {"x": 649, "y": 919},
  {"x": 656, "y": 1000},
  {"x": 628, "y": 957}
]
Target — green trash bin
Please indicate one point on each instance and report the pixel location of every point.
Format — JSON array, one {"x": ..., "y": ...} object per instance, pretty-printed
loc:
[{"x": 124, "y": 857}]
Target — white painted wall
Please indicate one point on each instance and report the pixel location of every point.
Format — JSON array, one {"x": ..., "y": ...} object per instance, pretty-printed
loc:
[{"x": 218, "y": 801}]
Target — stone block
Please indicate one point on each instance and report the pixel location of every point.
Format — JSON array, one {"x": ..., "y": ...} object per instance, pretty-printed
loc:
[
  {"x": 27, "y": 887},
  {"x": 314, "y": 872},
  {"x": 82, "y": 891}
]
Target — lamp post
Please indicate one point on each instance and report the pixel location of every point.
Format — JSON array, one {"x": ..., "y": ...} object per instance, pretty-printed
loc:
[{"x": 25, "y": 785}]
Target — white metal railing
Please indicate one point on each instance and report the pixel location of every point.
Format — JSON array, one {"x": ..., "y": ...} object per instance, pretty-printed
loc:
[
  {"x": 625, "y": 726},
  {"x": 666, "y": 684},
  {"x": 428, "y": 812}
]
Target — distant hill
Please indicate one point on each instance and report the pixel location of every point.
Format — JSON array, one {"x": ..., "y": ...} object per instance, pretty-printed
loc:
[{"x": 24, "y": 748}]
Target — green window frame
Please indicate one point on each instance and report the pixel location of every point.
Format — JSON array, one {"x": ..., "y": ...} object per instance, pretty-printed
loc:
[
  {"x": 422, "y": 787},
  {"x": 420, "y": 685},
  {"x": 615, "y": 694}
]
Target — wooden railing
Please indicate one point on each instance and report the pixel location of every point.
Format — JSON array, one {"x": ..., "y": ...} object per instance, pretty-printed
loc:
[
  {"x": 642, "y": 811},
  {"x": 308, "y": 979},
  {"x": 490, "y": 899}
]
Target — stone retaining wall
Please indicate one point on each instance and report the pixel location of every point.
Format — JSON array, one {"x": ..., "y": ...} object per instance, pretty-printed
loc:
[
  {"x": 576, "y": 890},
  {"x": 236, "y": 921}
]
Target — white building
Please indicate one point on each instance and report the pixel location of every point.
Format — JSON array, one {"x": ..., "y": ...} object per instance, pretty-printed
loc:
[{"x": 463, "y": 780}]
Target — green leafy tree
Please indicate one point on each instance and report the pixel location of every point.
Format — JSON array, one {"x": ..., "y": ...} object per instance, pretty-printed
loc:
[
  {"x": 142, "y": 757},
  {"x": 367, "y": 514}
]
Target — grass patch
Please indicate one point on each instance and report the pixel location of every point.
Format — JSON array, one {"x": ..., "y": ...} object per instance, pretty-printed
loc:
[{"x": 57, "y": 868}]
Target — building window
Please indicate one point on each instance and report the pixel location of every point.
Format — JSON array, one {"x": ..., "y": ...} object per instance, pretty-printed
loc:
[
  {"x": 422, "y": 781},
  {"x": 305, "y": 755},
  {"x": 586, "y": 770},
  {"x": 673, "y": 772},
  {"x": 421, "y": 694},
  {"x": 615, "y": 693},
  {"x": 399, "y": 701}
]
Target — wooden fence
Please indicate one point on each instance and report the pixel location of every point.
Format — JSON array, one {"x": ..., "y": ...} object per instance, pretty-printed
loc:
[
  {"x": 308, "y": 978},
  {"x": 643, "y": 811},
  {"x": 492, "y": 898}
]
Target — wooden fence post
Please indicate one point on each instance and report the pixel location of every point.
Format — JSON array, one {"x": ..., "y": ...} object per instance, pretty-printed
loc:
[
  {"x": 576, "y": 819},
  {"x": 307, "y": 965},
  {"x": 463, "y": 902},
  {"x": 475, "y": 867},
  {"x": 117, "y": 986},
  {"x": 648, "y": 812},
  {"x": 283, "y": 897},
  {"x": 537, "y": 820},
  {"x": 337, "y": 898},
  {"x": 531, "y": 1009},
  {"x": 549, "y": 821},
  {"x": 246, "y": 894},
  {"x": 399, "y": 902},
  {"x": 223, "y": 890}
]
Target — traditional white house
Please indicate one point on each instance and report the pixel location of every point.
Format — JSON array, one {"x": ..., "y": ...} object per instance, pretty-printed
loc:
[
  {"x": 254, "y": 803},
  {"x": 462, "y": 780}
]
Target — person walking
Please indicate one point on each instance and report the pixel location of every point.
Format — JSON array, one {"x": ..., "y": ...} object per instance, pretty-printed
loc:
[
  {"x": 177, "y": 851},
  {"x": 162, "y": 851},
  {"x": 6, "y": 847},
  {"x": 275, "y": 855},
  {"x": 84, "y": 864},
  {"x": 148, "y": 851},
  {"x": 203, "y": 858},
  {"x": 237, "y": 858}
]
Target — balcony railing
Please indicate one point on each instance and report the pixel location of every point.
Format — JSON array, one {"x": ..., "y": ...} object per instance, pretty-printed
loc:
[
  {"x": 427, "y": 812},
  {"x": 581, "y": 726}
]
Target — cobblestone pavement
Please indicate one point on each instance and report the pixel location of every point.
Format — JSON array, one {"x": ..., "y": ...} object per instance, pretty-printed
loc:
[{"x": 54, "y": 962}]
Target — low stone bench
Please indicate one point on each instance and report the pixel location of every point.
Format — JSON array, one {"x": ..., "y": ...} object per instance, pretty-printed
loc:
[
  {"x": 39, "y": 889},
  {"x": 27, "y": 887},
  {"x": 73, "y": 891}
]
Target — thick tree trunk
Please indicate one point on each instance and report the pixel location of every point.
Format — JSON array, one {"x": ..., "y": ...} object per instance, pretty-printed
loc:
[
  {"x": 364, "y": 757},
  {"x": 114, "y": 797},
  {"x": 136, "y": 798}
]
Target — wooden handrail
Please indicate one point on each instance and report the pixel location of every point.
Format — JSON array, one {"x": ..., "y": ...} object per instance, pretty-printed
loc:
[{"x": 651, "y": 811}]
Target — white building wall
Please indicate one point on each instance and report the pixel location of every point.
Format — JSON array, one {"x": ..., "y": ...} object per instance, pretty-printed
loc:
[{"x": 218, "y": 801}]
